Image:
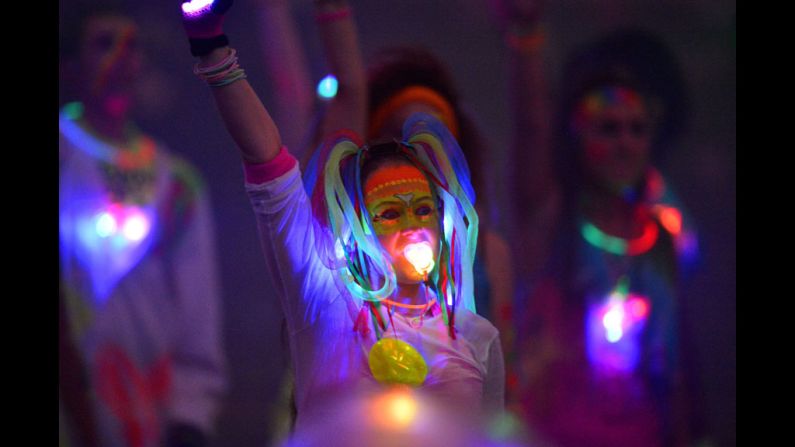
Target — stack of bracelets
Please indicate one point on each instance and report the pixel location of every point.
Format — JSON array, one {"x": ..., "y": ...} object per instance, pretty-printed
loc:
[{"x": 223, "y": 73}]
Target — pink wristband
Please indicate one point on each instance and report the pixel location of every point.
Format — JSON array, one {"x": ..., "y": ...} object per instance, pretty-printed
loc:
[
  {"x": 258, "y": 173},
  {"x": 330, "y": 16}
]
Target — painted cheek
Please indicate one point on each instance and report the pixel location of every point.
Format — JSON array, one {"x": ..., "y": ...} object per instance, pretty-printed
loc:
[
  {"x": 384, "y": 226},
  {"x": 427, "y": 221},
  {"x": 388, "y": 241}
]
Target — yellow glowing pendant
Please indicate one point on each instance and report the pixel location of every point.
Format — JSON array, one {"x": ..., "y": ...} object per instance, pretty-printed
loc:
[{"x": 394, "y": 361}]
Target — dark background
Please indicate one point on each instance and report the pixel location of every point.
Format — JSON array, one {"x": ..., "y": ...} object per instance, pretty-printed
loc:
[{"x": 178, "y": 108}]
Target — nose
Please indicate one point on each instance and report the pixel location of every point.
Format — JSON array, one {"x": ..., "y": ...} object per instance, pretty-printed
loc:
[
  {"x": 412, "y": 231},
  {"x": 415, "y": 234},
  {"x": 629, "y": 141}
]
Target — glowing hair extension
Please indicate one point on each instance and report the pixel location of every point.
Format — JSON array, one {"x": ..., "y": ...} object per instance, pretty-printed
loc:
[
  {"x": 442, "y": 158},
  {"x": 346, "y": 218}
]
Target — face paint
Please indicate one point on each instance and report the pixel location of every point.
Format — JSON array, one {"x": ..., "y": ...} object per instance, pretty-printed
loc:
[
  {"x": 394, "y": 213},
  {"x": 406, "y": 198},
  {"x": 596, "y": 102},
  {"x": 614, "y": 132},
  {"x": 121, "y": 43},
  {"x": 405, "y": 219},
  {"x": 111, "y": 57},
  {"x": 398, "y": 198}
]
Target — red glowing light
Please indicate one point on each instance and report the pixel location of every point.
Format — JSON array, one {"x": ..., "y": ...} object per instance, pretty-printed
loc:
[{"x": 638, "y": 308}]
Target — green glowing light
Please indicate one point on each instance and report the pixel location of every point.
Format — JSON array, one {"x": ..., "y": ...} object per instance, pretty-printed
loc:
[
  {"x": 73, "y": 110},
  {"x": 596, "y": 237}
]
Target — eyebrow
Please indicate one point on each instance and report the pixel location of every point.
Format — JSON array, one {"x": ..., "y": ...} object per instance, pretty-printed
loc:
[{"x": 390, "y": 201}]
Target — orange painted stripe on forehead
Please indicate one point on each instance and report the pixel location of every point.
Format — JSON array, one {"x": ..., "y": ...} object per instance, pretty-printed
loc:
[
  {"x": 391, "y": 180},
  {"x": 597, "y": 100}
]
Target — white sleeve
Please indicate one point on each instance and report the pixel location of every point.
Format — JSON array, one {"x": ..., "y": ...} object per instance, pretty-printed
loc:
[
  {"x": 494, "y": 386},
  {"x": 303, "y": 284}
]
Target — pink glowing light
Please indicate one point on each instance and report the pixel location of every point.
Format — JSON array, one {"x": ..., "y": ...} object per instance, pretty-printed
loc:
[
  {"x": 615, "y": 328},
  {"x": 638, "y": 308}
]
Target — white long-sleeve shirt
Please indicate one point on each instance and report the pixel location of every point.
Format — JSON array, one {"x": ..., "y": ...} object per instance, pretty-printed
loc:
[{"x": 145, "y": 316}]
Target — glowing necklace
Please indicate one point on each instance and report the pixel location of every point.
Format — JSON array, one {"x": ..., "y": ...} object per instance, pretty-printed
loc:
[
  {"x": 425, "y": 306},
  {"x": 620, "y": 246},
  {"x": 140, "y": 153},
  {"x": 417, "y": 320},
  {"x": 394, "y": 361}
]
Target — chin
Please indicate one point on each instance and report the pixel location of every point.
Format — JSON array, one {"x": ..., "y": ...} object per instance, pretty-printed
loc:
[{"x": 410, "y": 279}]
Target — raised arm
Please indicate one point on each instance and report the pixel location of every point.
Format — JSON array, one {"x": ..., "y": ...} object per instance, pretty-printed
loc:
[
  {"x": 519, "y": 21},
  {"x": 287, "y": 68},
  {"x": 348, "y": 109},
  {"x": 534, "y": 184},
  {"x": 244, "y": 115}
]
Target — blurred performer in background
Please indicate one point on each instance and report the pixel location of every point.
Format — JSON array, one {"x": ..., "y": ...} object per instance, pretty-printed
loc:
[
  {"x": 602, "y": 355},
  {"x": 139, "y": 291}
]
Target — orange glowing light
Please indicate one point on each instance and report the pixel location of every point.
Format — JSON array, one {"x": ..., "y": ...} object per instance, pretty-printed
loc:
[
  {"x": 671, "y": 219},
  {"x": 420, "y": 256},
  {"x": 396, "y": 409}
]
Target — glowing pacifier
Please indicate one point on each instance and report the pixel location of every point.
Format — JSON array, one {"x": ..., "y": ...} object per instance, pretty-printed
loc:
[
  {"x": 420, "y": 255},
  {"x": 393, "y": 361}
]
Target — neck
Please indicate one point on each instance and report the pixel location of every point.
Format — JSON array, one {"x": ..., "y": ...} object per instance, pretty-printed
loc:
[
  {"x": 107, "y": 117},
  {"x": 410, "y": 294},
  {"x": 613, "y": 213}
]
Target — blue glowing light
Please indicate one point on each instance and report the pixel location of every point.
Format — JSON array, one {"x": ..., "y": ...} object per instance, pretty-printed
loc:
[
  {"x": 327, "y": 87},
  {"x": 615, "y": 327},
  {"x": 109, "y": 239},
  {"x": 106, "y": 225}
]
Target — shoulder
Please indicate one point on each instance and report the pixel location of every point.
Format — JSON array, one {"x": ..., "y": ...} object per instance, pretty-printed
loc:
[
  {"x": 497, "y": 251},
  {"x": 475, "y": 327}
]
